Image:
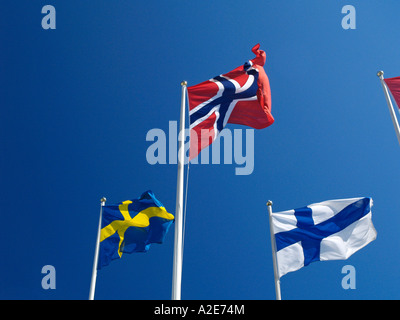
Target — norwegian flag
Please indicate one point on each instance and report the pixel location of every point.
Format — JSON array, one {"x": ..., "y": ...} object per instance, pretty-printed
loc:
[{"x": 242, "y": 96}]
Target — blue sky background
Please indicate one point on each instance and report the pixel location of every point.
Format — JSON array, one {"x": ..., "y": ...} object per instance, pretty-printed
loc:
[{"x": 78, "y": 101}]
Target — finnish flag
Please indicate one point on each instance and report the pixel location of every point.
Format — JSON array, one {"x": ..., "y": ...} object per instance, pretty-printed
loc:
[{"x": 329, "y": 230}]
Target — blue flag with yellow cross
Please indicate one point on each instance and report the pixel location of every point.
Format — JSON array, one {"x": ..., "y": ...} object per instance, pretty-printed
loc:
[{"x": 132, "y": 226}]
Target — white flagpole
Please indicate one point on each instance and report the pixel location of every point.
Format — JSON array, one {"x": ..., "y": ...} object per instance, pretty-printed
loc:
[
  {"x": 96, "y": 253},
  {"x": 178, "y": 254},
  {"x": 273, "y": 246},
  {"x": 390, "y": 105}
]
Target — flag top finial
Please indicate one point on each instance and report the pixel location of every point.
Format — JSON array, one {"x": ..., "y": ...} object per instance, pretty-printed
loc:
[
  {"x": 184, "y": 83},
  {"x": 380, "y": 73},
  {"x": 269, "y": 203}
]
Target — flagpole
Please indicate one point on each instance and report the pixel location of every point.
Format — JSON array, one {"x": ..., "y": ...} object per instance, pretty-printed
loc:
[
  {"x": 273, "y": 246},
  {"x": 390, "y": 105},
  {"x": 178, "y": 254},
  {"x": 96, "y": 253}
]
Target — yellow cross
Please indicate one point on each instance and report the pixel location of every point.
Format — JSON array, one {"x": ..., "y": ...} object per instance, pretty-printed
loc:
[{"x": 140, "y": 220}]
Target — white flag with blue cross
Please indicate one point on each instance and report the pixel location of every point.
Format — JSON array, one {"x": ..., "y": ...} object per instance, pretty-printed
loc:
[{"x": 329, "y": 230}]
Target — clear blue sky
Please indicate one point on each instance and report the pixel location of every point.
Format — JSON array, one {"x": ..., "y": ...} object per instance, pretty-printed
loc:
[{"x": 77, "y": 103}]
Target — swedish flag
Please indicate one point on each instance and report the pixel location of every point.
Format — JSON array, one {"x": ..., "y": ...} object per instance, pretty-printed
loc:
[{"x": 132, "y": 226}]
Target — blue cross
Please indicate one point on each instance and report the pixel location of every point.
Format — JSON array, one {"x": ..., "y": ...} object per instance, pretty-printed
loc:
[
  {"x": 228, "y": 95},
  {"x": 311, "y": 235}
]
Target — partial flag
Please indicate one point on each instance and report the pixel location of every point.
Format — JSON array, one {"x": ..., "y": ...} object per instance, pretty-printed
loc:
[
  {"x": 394, "y": 87},
  {"x": 241, "y": 96},
  {"x": 132, "y": 226},
  {"x": 329, "y": 230}
]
